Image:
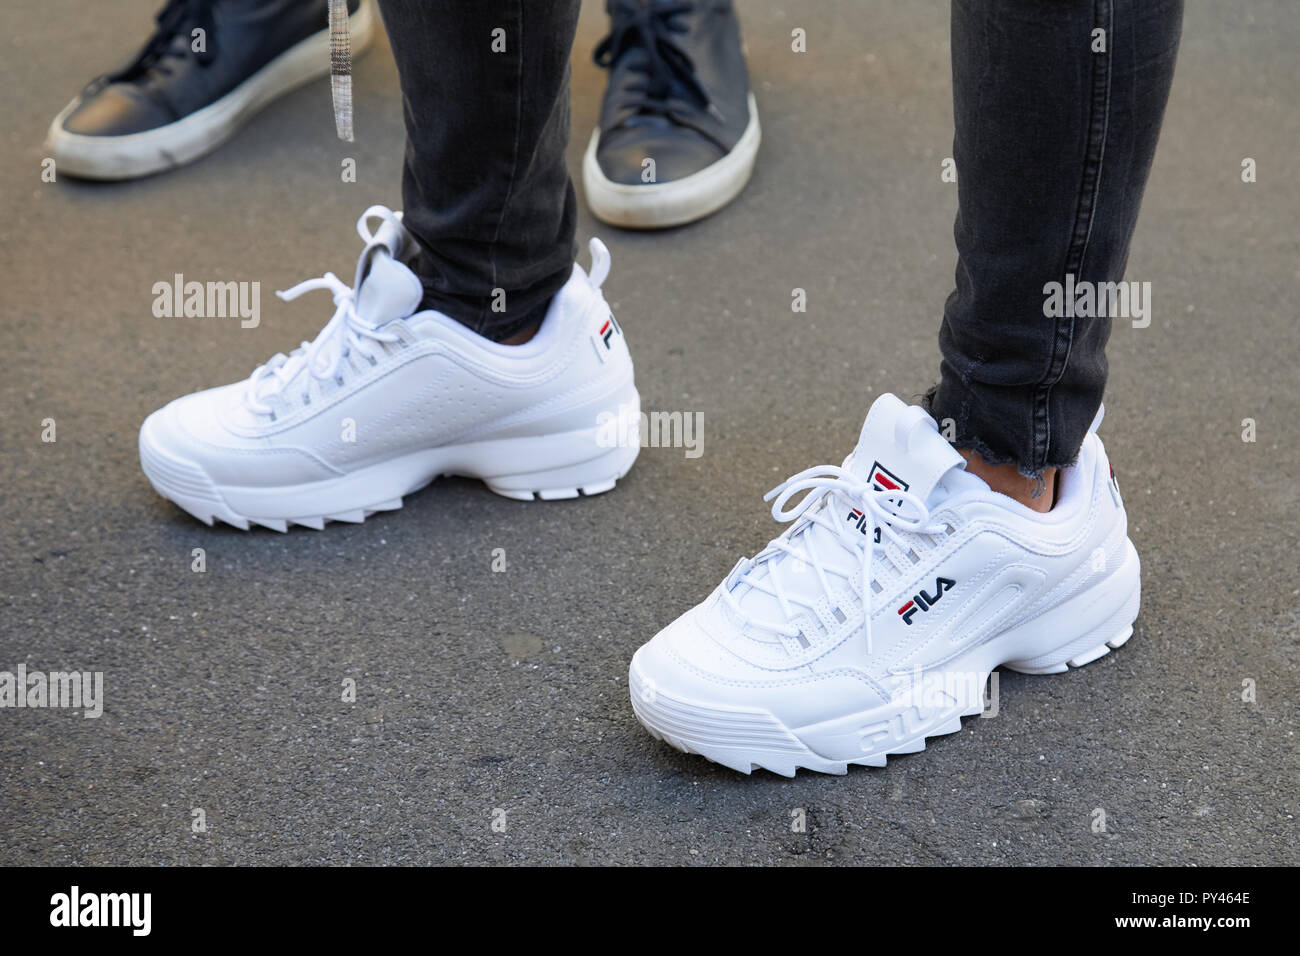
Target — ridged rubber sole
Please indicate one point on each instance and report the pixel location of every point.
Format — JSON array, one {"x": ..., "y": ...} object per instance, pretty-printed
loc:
[
  {"x": 382, "y": 487},
  {"x": 746, "y": 739}
]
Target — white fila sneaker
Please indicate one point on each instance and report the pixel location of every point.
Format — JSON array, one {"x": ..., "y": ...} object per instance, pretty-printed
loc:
[
  {"x": 386, "y": 399},
  {"x": 780, "y": 668}
]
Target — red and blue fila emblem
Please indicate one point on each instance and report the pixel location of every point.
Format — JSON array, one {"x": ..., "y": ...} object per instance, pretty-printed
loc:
[
  {"x": 884, "y": 479},
  {"x": 608, "y": 329},
  {"x": 859, "y": 520},
  {"x": 923, "y": 601}
]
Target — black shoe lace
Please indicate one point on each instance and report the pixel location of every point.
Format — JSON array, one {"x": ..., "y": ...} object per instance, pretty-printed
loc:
[
  {"x": 179, "y": 16},
  {"x": 665, "y": 68}
]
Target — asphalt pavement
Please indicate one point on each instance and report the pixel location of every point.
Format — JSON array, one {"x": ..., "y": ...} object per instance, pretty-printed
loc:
[{"x": 486, "y": 696}]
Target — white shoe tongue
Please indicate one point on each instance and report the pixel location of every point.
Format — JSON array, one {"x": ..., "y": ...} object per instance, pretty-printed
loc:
[
  {"x": 900, "y": 448},
  {"x": 389, "y": 290}
]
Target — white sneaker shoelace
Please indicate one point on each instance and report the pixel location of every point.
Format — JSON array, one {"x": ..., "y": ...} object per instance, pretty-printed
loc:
[
  {"x": 891, "y": 511},
  {"x": 345, "y": 333}
]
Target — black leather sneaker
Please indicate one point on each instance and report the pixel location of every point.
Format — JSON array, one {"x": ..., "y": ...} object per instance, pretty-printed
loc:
[
  {"x": 678, "y": 127},
  {"x": 208, "y": 67}
]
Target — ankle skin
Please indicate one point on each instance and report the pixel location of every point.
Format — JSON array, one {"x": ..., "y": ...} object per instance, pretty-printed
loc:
[{"x": 1007, "y": 480}]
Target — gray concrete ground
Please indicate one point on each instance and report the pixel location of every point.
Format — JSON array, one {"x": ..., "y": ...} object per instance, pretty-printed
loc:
[{"x": 480, "y": 690}]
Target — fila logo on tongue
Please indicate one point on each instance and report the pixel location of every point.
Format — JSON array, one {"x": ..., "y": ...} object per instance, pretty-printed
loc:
[
  {"x": 882, "y": 479},
  {"x": 885, "y": 480}
]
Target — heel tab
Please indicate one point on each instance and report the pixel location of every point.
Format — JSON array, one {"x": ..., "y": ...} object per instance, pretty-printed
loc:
[{"x": 600, "y": 260}]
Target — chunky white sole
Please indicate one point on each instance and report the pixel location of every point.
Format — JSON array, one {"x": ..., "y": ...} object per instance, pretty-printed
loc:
[
  {"x": 181, "y": 142},
  {"x": 675, "y": 203},
  {"x": 1075, "y": 633},
  {"x": 542, "y": 467}
]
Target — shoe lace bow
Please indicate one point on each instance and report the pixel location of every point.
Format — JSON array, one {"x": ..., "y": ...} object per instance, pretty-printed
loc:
[
  {"x": 891, "y": 510},
  {"x": 345, "y": 333}
]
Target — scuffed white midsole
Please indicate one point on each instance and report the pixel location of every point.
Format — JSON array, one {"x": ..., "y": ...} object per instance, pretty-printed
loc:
[
  {"x": 676, "y": 202},
  {"x": 181, "y": 142}
]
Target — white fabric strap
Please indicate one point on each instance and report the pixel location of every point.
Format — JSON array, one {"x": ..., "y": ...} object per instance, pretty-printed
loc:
[{"x": 341, "y": 68}]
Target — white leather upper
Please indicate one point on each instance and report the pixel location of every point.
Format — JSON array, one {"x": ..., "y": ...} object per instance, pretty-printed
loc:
[
  {"x": 438, "y": 383},
  {"x": 1009, "y": 565}
]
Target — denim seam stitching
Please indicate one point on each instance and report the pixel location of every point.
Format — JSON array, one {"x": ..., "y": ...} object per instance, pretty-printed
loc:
[
  {"x": 514, "y": 167},
  {"x": 1090, "y": 186}
]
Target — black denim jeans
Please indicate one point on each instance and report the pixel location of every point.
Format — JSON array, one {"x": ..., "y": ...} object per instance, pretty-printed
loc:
[
  {"x": 485, "y": 91},
  {"x": 1054, "y": 140},
  {"x": 1055, "y": 134}
]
